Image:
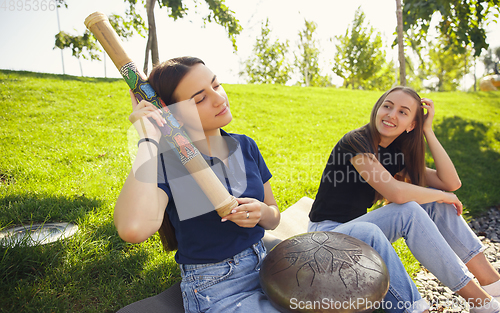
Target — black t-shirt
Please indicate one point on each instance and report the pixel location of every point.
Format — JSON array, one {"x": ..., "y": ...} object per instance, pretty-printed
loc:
[{"x": 343, "y": 194}]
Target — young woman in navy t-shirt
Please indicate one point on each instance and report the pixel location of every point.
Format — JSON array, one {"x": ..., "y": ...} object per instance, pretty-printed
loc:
[{"x": 219, "y": 257}]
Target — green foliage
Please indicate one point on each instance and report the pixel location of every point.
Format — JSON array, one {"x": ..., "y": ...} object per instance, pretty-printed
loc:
[
  {"x": 416, "y": 68},
  {"x": 447, "y": 66},
  {"x": 223, "y": 16},
  {"x": 462, "y": 22},
  {"x": 383, "y": 79},
  {"x": 125, "y": 26},
  {"x": 491, "y": 61},
  {"x": 360, "y": 59},
  {"x": 175, "y": 7},
  {"x": 307, "y": 62},
  {"x": 81, "y": 46},
  {"x": 268, "y": 63},
  {"x": 85, "y": 46},
  {"x": 133, "y": 21},
  {"x": 415, "y": 74},
  {"x": 61, "y": 3}
]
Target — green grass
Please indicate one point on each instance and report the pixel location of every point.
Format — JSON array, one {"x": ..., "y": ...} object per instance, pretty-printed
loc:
[{"x": 64, "y": 158}]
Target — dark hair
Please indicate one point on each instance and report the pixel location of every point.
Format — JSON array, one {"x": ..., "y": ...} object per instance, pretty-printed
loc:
[
  {"x": 411, "y": 144},
  {"x": 164, "y": 78}
]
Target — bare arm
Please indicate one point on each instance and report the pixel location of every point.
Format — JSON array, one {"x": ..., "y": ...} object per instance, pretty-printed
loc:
[
  {"x": 141, "y": 204},
  {"x": 396, "y": 191},
  {"x": 266, "y": 214},
  {"x": 445, "y": 176}
]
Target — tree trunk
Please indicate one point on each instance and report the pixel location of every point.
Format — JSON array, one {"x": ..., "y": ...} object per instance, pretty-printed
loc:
[
  {"x": 306, "y": 75},
  {"x": 104, "y": 58},
  {"x": 401, "y": 56},
  {"x": 146, "y": 57},
  {"x": 475, "y": 78},
  {"x": 81, "y": 68},
  {"x": 152, "y": 44}
]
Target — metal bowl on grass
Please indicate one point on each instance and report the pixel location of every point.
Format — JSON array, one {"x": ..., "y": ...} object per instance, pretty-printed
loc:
[{"x": 37, "y": 234}]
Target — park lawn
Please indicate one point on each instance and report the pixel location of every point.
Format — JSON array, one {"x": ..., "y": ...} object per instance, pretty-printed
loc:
[{"x": 65, "y": 157}]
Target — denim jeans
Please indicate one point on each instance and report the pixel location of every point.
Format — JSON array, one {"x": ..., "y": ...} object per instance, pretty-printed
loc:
[
  {"x": 403, "y": 295},
  {"x": 439, "y": 239},
  {"x": 231, "y": 285}
]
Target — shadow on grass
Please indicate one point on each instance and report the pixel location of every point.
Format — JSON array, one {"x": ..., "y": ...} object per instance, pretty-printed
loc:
[
  {"x": 24, "y": 262},
  {"x": 468, "y": 145},
  {"x": 94, "y": 271},
  {"x": 111, "y": 273},
  {"x": 27, "y": 74},
  {"x": 29, "y": 208}
]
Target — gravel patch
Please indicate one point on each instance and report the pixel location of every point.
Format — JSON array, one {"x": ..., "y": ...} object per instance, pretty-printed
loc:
[{"x": 440, "y": 297}]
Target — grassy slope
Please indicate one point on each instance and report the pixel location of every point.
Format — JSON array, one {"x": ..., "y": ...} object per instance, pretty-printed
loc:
[
  {"x": 296, "y": 129},
  {"x": 64, "y": 158}
]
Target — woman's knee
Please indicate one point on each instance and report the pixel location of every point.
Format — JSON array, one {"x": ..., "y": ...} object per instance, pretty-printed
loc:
[
  {"x": 364, "y": 231},
  {"x": 441, "y": 208},
  {"x": 370, "y": 234},
  {"x": 411, "y": 209}
]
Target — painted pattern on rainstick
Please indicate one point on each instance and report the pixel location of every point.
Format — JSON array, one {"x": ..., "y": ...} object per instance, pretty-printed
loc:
[{"x": 175, "y": 135}]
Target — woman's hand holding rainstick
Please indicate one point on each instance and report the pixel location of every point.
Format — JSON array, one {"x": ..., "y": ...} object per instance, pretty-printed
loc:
[{"x": 142, "y": 114}]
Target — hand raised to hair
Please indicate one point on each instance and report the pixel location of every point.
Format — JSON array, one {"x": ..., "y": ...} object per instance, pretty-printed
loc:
[
  {"x": 141, "y": 112},
  {"x": 428, "y": 104}
]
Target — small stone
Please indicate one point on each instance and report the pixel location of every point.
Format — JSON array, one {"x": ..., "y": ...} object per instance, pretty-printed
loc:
[
  {"x": 489, "y": 250},
  {"x": 447, "y": 294},
  {"x": 475, "y": 225}
]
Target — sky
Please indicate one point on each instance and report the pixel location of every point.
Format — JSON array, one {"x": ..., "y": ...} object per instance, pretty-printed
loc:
[{"x": 27, "y": 33}]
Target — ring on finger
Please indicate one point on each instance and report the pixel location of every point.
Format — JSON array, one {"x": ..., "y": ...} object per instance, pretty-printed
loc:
[{"x": 248, "y": 214}]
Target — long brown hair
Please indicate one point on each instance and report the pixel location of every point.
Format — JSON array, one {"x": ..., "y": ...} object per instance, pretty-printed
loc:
[
  {"x": 411, "y": 144},
  {"x": 164, "y": 78}
]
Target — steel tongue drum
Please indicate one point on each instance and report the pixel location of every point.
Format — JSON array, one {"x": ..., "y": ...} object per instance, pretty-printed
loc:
[{"x": 324, "y": 272}]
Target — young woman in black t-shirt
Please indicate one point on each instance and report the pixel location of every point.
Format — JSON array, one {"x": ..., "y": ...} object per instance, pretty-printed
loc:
[{"x": 385, "y": 159}]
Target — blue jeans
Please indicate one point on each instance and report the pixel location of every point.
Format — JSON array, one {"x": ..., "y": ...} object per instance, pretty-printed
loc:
[
  {"x": 231, "y": 285},
  {"x": 403, "y": 295},
  {"x": 439, "y": 239}
]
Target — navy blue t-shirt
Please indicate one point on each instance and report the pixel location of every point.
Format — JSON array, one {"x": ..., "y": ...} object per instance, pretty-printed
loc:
[{"x": 201, "y": 236}]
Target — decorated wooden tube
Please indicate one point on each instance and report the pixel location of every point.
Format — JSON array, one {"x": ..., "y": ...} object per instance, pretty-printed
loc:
[{"x": 189, "y": 155}]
